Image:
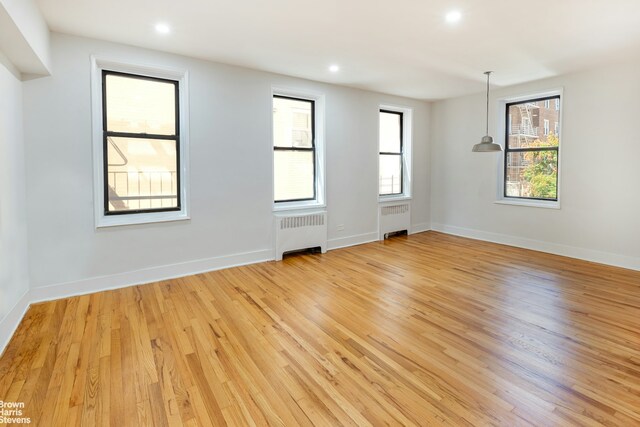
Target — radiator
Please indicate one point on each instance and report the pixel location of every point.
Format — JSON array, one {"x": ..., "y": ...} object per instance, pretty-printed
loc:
[
  {"x": 302, "y": 231},
  {"x": 395, "y": 217}
]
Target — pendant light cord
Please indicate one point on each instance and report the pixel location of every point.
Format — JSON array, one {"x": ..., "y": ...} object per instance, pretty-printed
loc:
[{"x": 488, "y": 73}]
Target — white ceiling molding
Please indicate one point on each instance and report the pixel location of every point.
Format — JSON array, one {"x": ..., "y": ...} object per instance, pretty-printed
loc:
[{"x": 24, "y": 37}]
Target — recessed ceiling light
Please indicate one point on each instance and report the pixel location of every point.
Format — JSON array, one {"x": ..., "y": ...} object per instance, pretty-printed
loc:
[
  {"x": 453, "y": 16},
  {"x": 163, "y": 28},
  {"x": 334, "y": 68}
]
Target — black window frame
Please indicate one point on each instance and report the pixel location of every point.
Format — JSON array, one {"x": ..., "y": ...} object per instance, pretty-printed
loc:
[
  {"x": 401, "y": 153},
  {"x": 312, "y": 149},
  {"x": 508, "y": 150},
  {"x": 105, "y": 143}
]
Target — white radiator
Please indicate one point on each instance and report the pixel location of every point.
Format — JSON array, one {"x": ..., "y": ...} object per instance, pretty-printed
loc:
[
  {"x": 302, "y": 231},
  {"x": 394, "y": 217}
]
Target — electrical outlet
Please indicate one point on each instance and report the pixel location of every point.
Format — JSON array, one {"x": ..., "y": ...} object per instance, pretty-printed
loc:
[{"x": 340, "y": 227}]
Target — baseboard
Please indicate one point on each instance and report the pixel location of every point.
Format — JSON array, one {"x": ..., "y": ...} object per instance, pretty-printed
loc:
[
  {"x": 419, "y": 228},
  {"x": 12, "y": 319},
  {"x": 358, "y": 239},
  {"x": 615, "y": 260},
  {"x": 148, "y": 275}
]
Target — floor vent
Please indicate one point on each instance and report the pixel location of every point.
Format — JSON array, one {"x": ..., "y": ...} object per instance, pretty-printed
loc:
[
  {"x": 299, "y": 232},
  {"x": 394, "y": 218}
]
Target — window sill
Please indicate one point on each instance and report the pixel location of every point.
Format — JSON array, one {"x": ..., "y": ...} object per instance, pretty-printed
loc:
[
  {"x": 143, "y": 218},
  {"x": 297, "y": 206},
  {"x": 530, "y": 203},
  {"x": 395, "y": 198}
]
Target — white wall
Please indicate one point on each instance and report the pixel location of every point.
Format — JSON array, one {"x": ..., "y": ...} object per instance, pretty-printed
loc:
[
  {"x": 600, "y": 176},
  {"x": 231, "y": 171},
  {"x": 14, "y": 273}
]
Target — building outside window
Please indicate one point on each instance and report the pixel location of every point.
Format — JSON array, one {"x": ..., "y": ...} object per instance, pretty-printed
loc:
[{"x": 531, "y": 151}]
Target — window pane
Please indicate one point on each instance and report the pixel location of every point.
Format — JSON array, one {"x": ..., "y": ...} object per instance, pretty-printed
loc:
[
  {"x": 138, "y": 105},
  {"x": 529, "y": 125},
  {"x": 390, "y": 131},
  {"x": 141, "y": 174},
  {"x": 532, "y": 174},
  {"x": 293, "y": 175},
  {"x": 390, "y": 180},
  {"x": 292, "y": 123}
]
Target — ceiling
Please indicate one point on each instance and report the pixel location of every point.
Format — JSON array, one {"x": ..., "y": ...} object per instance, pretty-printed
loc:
[{"x": 401, "y": 47}]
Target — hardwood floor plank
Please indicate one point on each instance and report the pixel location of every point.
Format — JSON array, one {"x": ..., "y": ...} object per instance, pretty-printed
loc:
[
  {"x": 417, "y": 330},
  {"x": 116, "y": 389},
  {"x": 129, "y": 372}
]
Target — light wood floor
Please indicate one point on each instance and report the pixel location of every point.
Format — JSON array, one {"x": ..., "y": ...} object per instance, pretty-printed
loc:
[{"x": 418, "y": 330}]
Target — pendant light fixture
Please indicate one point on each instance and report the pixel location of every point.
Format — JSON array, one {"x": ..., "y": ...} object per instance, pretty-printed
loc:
[{"x": 486, "y": 143}]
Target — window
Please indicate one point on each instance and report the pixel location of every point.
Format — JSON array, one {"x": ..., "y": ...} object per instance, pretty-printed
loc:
[
  {"x": 546, "y": 104},
  {"x": 555, "y": 128},
  {"x": 391, "y": 153},
  {"x": 298, "y": 149},
  {"x": 531, "y": 154},
  {"x": 139, "y": 144},
  {"x": 294, "y": 156},
  {"x": 557, "y": 104},
  {"x": 141, "y": 139},
  {"x": 394, "y": 152}
]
